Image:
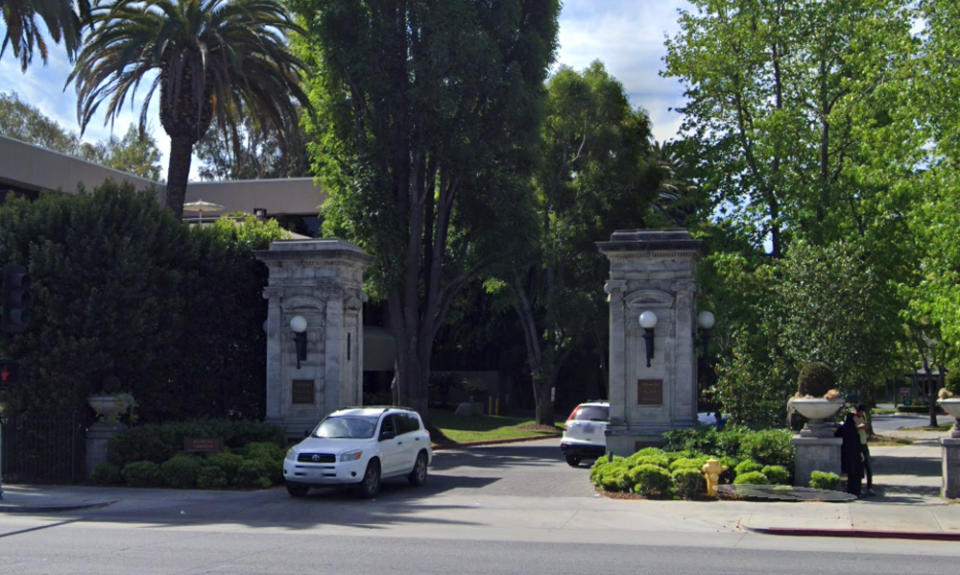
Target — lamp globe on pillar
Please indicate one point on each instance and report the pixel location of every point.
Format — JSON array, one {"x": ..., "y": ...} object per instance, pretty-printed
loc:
[
  {"x": 705, "y": 320},
  {"x": 648, "y": 321},
  {"x": 299, "y": 326}
]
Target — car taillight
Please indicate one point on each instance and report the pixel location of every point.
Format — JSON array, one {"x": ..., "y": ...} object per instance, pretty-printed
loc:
[{"x": 573, "y": 413}]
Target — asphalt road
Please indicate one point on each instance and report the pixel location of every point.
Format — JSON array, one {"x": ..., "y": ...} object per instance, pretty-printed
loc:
[{"x": 514, "y": 508}]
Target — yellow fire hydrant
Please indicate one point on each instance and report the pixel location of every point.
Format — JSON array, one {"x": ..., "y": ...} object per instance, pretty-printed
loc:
[{"x": 711, "y": 472}]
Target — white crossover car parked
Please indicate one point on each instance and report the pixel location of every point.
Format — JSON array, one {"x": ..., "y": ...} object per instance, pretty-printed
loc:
[
  {"x": 584, "y": 434},
  {"x": 359, "y": 447}
]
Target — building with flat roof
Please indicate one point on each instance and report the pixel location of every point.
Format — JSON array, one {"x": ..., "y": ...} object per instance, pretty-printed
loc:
[{"x": 31, "y": 170}]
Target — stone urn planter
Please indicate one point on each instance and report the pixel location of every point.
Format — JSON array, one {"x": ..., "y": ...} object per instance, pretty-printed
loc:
[
  {"x": 952, "y": 407},
  {"x": 109, "y": 407},
  {"x": 816, "y": 410}
]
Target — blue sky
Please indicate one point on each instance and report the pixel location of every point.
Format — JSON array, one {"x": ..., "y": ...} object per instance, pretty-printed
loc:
[{"x": 626, "y": 35}]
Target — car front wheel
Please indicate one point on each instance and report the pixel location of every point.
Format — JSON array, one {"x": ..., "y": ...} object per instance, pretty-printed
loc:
[
  {"x": 419, "y": 474},
  {"x": 573, "y": 460},
  {"x": 370, "y": 485}
]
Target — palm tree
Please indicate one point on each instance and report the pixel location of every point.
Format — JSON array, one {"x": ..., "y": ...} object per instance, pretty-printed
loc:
[
  {"x": 22, "y": 33},
  {"x": 223, "y": 58}
]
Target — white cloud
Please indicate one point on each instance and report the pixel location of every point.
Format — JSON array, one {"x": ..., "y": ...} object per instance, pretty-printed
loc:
[{"x": 628, "y": 37}]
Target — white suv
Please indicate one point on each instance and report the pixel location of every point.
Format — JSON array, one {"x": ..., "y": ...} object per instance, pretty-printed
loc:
[
  {"x": 358, "y": 447},
  {"x": 584, "y": 433}
]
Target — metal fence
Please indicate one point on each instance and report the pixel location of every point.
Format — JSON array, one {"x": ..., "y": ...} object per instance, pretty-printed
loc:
[{"x": 42, "y": 449}]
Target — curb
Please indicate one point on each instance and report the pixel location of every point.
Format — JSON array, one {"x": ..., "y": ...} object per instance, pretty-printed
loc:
[
  {"x": 860, "y": 533},
  {"x": 14, "y": 508},
  {"x": 491, "y": 442}
]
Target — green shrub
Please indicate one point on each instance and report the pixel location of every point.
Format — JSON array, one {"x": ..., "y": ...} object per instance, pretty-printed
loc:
[
  {"x": 211, "y": 477},
  {"x": 915, "y": 408},
  {"x": 689, "y": 482},
  {"x": 106, "y": 474},
  {"x": 142, "y": 474},
  {"x": 159, "y": 443},
  {"x": 702, "y": 439},
  {"x": 254, "y": 473},
  {"x": 752, "y": 478},
  {"x": 824, "y": 480},
  {"x": 689, "y": 462},
  {"x": 776, "y": 474},
  {"x": 768, "y": 447},
  {"x": 226, "y": 462},
  {"x": 746, "y": 466},
  {"x": 815, "y": 379},
  {"x": 264, "y": 450},
  {"x": 180, "y": 471},
  {"x": 652, "y": 481},
  {"x": 614, "y": 478},
  {"x": 650, "y": 456},
  {"x": 952, "y": 381}
]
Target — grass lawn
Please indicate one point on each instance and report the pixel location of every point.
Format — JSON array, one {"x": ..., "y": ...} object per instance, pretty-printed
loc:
[{"x": 464, "y": 429}]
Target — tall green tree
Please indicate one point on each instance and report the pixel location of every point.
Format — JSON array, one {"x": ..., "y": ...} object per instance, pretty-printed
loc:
[
  {"x": 429, "y": 129},
  {"x": 250, "y": 152},
  {"x": 208, "y": 58},
  {"x": 136, "y": 153},
  {"x": 595, "y": 177},
  {"x": 779, "y": 94},
  {"x": 62, "y": 19}
]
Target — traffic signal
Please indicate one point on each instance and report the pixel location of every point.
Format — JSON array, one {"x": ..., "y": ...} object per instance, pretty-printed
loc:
[
  {"x": 9, "y": 372},
  {"x": 16, "y": 299}
]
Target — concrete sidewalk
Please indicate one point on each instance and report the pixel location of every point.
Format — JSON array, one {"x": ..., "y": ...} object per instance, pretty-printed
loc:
[{"x": 907, "y": 504}]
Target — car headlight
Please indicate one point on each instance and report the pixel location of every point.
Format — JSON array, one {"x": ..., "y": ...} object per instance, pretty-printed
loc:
[
  {"x": 351, "y": 455},
  {"x": 291, "y": 454}
]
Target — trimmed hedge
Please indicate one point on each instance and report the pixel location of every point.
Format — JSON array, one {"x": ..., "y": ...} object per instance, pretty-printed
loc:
[
  {"x": 824, "y": 480},
  {"x": 252, "y": 457},
  {"x": 142, "y": 474},
  {"x": 752, "y": 478}
]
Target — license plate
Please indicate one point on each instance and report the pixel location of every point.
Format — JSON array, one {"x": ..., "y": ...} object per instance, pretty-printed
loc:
[{"x": 587, "y": 428}]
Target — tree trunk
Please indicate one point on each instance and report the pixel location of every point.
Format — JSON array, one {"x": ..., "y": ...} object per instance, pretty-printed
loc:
[{"x": 178, "y": 171}]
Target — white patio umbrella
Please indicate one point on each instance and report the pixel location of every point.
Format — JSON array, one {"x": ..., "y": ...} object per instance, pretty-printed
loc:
[{"x": 200, "y": 206}]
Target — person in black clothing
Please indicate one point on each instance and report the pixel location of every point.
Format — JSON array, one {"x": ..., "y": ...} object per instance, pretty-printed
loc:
[{"x": 851, "y": 458}]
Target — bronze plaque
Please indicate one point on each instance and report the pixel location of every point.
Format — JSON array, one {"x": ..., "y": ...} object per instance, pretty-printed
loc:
[
  {"x": 649, "y": 392},
  {"x": 302, "y": 391}
]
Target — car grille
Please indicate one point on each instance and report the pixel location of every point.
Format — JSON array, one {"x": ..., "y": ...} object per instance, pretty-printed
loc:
[{"x": 317, "y": 457}]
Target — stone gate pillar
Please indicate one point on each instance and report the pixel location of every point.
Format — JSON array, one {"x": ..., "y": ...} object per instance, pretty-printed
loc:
[
  {"x": 651, "y": 271},
  {"x": 321, "y": 281}
]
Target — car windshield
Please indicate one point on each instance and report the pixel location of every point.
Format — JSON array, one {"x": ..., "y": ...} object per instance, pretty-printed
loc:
[
  {"x": 343, "y": 427},
  {"x": 592, "y": 413}
]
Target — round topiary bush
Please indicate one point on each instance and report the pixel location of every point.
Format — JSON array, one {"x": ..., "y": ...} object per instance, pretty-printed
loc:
[
  {"x": 689, "y": 482},
  {"x": 816, "y": 379},
  {"x": 180, "y": 471},
  {"x": 746, "y": 466},
  {"x": 776, "y": 474},
  {"x": 652, "y": 481},
  {"x": 211, "y": 477},
  {"x": 824, "y": 480},
  {"x": 751, "y": 478},
  {"x": 142, "y": 474}
]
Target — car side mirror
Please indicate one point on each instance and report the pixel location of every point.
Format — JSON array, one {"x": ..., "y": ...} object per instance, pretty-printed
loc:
[{"x": 387, "y": 434}]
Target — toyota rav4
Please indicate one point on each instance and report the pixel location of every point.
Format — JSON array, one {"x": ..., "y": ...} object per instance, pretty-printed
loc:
[{"x": 359, "y": 447}]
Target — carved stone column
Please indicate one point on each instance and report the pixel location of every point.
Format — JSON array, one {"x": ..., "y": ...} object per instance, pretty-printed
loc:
[
  {"x": 321, "y": 281},
  {"x": 651, "y": 271}
]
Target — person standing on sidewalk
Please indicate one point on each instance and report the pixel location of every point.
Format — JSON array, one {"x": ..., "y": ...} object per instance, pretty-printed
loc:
[
  {"x": 860, "y": 417},
  {"x": 851, "y": 458}
]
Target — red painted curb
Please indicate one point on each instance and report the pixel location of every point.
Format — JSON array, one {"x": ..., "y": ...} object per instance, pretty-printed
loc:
[
  {"x": 492, "y": 442},
  {"x": 862, "y": 533}
]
